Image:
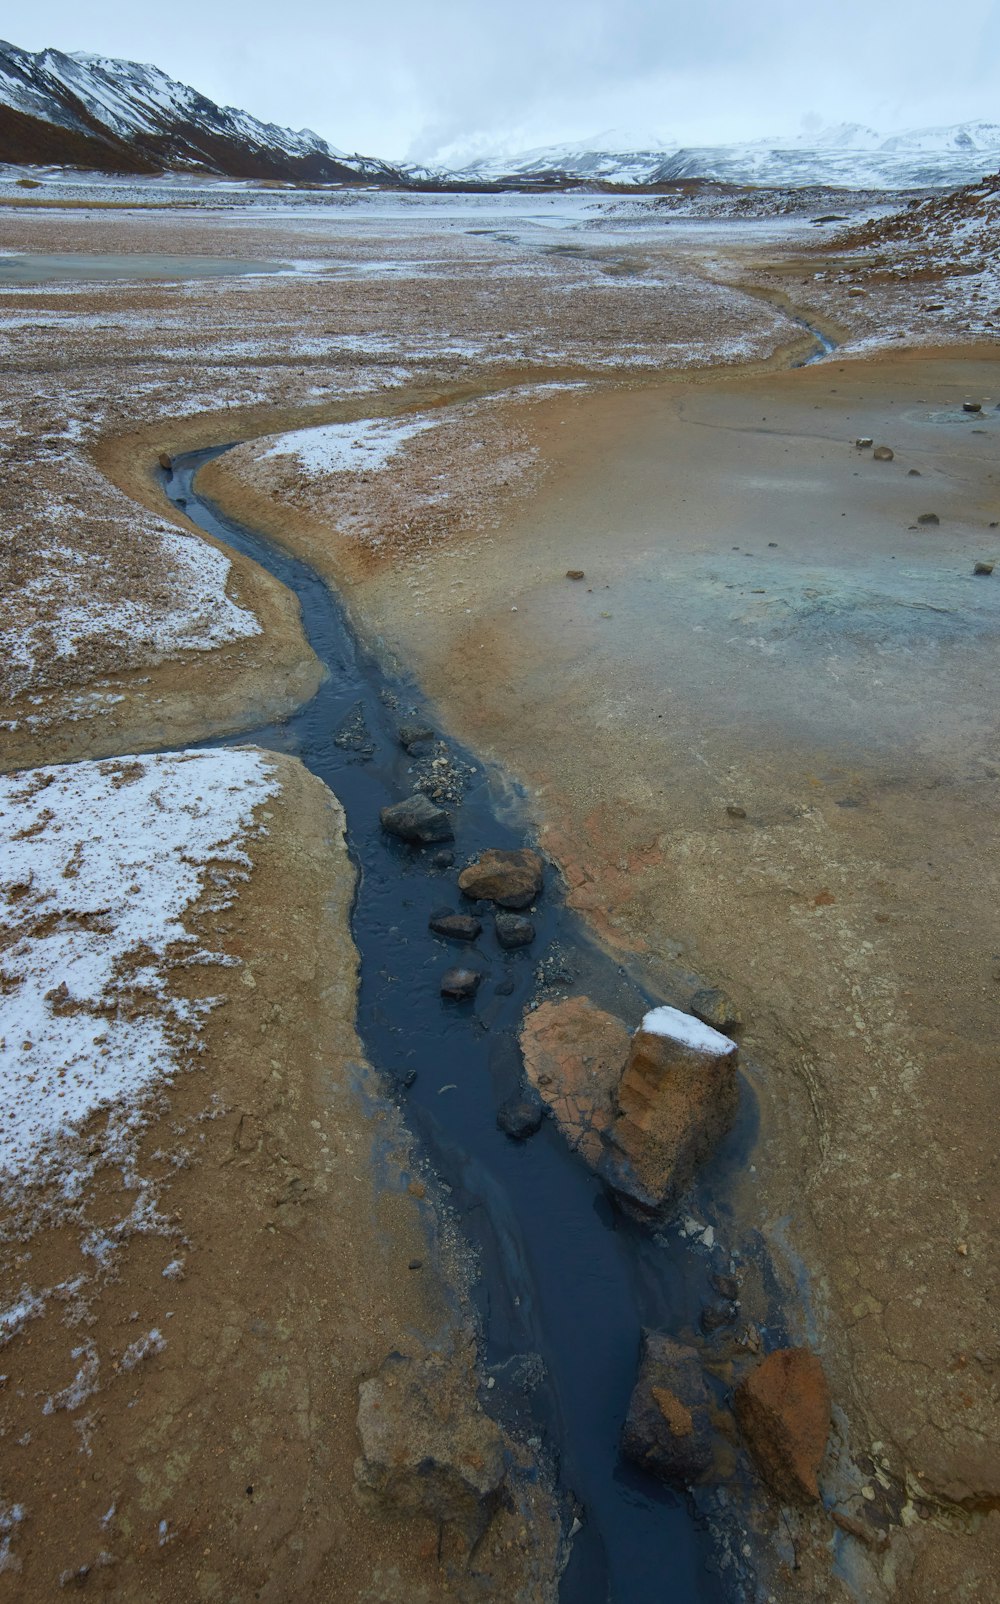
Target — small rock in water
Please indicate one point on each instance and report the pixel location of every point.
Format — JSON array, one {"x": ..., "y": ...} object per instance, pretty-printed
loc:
[
  {"x": 505, "y": 987},
  {"x": 983, "y": 568},
  {"x": 972, "y": 406},
  {"x": 864, "y": 442},
  {"x": 442, "y": 860},
  {"x": 459, "y": 926},
  {"x": 668, "y": 1431},
  {"x": 519, "y": 1117},
  {"x": 714, "y": 1007},
  {"x": 512, "y": 879},
  {"x": 883, "y": 454},
  {"x": 415, "y": 738},
  {"x": 417, "y": 819},
  {"x": 408, "y": 1079},
  {"x": 716, "y": 1315},
  {"x": 928, "y": 518},
  {"x": 460, "y": 982},
  {"x": 575, "y": 573},
  {"x": 514, "y": 930},
  {"x": 166, "y": 462},
  {"x": 783, "y": 1409}
]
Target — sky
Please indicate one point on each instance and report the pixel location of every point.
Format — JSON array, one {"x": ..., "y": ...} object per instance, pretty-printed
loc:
[{"x": 446, "y": 81}]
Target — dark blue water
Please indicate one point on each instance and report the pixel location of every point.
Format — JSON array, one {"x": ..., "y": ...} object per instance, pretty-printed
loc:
[{"x": 563, "y": 1276}]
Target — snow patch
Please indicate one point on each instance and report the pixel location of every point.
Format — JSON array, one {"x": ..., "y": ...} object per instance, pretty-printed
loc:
[
  {"x": 687, "y": 1030},
  {"x": 363, "y": 447}
]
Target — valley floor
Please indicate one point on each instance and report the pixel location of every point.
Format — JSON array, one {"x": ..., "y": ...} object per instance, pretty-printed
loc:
[{"x": 760, "y": 736}]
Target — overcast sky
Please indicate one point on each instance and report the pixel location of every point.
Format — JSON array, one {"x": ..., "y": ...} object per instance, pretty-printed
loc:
[{"x": 446, "y": 80}]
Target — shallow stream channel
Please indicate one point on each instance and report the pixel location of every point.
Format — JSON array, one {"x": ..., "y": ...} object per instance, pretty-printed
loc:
[{"x": 565, "y": 1281}]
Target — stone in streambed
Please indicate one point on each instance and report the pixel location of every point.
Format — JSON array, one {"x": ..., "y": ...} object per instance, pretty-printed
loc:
[
  {"x": 416, "y": 739},
  {"x": 460, "y": 982},
  {"x": 511, "y": 879},
  {"x": 714, "y": 1007},
  {"x": 668, "y": 1431},
  {"x": 520, "y": 1117},
  {"x": 864, "y": 442},
  {"x": 677, "y": 1098},
  {"x": 514, "y": 930},
  {"x": 972, "y": 406},
  {"x": 928, "y": 518},
  {"x": 573, "y": 1055},
  {"x": 783, "y": 1410},
  {"x": 417, "y": 819},
  {"x": 883, "y": 454},
  {"x": 166, "y": 462},
  {"x": 459, "y": 926},
  {"x": 982, "y": 568}
]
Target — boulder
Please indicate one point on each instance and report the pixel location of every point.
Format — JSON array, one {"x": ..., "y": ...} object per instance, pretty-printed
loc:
[
  {"x": 519, "y": 1117},
  {"x": 668, "y": 1431},
  {"x": 511, "y": 879},
  {"x": 417, "y": 739},
  {"x": 783, "y": 1409},
  {"x": 574, "y": 1053},
  {"x": 677, "y": 1098},
  {"x": 425, "y": 1450},
  {"x": 714, "y": 1007},
  {"x": 883, "y": 454},
  {"x": 458, "y": 926},
  {"x": 459, "y": 982},
  {"x": 514, "y": 930},
  {"x": 417, "y": 819},
  {"x": 166, "y": 462}
]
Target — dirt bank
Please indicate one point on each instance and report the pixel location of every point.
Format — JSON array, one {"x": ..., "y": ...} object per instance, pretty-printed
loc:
[
  {"x": 761, "y": 738},
  {"x": 286, "y": 1246}
]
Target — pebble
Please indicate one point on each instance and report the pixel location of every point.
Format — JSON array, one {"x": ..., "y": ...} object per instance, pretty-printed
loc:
[
  {"x": 575, "y": 573},
  {"x": 972, "y": 406},
  {"x": 883, "y": 454},
  {"x": 928, "y": 518},
  {"x": 983, "y": 568}
]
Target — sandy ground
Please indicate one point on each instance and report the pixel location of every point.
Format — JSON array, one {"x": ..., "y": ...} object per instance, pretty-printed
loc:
[
  {"x": 764, "y": 626},
  {"x": 178, "y": 1415}
]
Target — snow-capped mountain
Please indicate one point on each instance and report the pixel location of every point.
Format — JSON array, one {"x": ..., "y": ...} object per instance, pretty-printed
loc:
[
  {"x": 95, "y": 111},
  {"x": 845, "y": 155}
]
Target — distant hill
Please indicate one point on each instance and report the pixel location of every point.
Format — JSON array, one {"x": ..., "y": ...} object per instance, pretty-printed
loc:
[
  {"x": 847, "y": 156},
  {"x": 119, "y": 116}
]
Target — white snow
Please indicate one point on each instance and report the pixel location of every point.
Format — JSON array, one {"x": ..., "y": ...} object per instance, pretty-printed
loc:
[
  {"x": 361, "y": 447},
  {"x": 687, "y": 1030},
  {"x": 100, "y": 863}
]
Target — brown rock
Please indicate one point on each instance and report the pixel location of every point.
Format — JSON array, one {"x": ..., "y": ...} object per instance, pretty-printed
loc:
[
  {"x": 573, "y": 1054},
  {"x": 883, "y": 454},
  {"x": 512, "y": 879},
  {"x": 783, "y": 1408},
  {"x": 982, "y": 568},
  {"x": 668, "y": 1431},
  {"x": 166, "y": 462},
  {"x": 575, "y": 573},
  {"x": 677, "y": 1097}
]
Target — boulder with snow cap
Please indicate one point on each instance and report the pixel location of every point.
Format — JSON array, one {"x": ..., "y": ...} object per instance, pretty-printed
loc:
[{"x": 676, "y": 1099}]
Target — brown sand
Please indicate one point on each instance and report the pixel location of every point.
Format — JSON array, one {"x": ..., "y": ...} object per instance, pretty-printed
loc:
[{"x": 837, "y": 686}]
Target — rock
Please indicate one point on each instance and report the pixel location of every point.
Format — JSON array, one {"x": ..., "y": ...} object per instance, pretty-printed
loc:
[
  {"x": 982, "y": 568},
  {"x": 512, "y": 879},
  {"x": 883, "y": 454},
  {"x": 425, "y": 1450},
  {"x": 505, "y": 987},
  {"x": 575, "y": 573},
  {"x": 520, "y": 1117},
  {"x": 574, "y": 1053},
  {"x": 353, "y": 735},
  {"x": 928, "y": 518},
  {"x": 716, "y": 1315},
  {"x": 913, "y": 473},
  {"x": 677, "y": 1098},
  {"x": 668, "y": 1431},
  {"x": 714, "y": 1007},
  {"x": 460, "y": 982},
  {"x": 417, "y": 819},
  {"x": 972, "y": 406},
  {"x": 415, "y": 738},
  {"x": 442, "y": 860},
  {"x": 726, "y": 1286},
  {"x": 459, "y": 926},
  {"x": 783, "y": 1409},
  {"x": 514, "y": 930},
  {"x": 864, "y": 442},
  {"x": 735, "y": 811},
  {"x": 166, "y": 462}
]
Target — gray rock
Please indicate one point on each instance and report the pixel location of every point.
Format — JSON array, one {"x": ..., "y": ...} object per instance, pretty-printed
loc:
[
  {"x": 459, "y": 926},
  {"x": 928, "y": 518},
  {"x": 519, "y": 1117},
  {"x": 983, "y": 568},
  {"x": 714, "y": 1007},
  {"x": 972, "y": 406},
  {"x": 442, "y": 860},
  {"x": 668, "y": 1431},
  {"x": 864, "y": 442},
  {"x": 460, "y": 982},
  {"x": 417, "y": 819},
  {"x": 514, "y": 930},
  {"x": 416, "y": 739}
]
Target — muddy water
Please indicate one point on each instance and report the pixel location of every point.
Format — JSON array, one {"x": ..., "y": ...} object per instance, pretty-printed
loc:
[{"x": 565, "y": 1283}]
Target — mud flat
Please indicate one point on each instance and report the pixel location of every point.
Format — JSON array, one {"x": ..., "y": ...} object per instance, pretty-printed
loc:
[{"x": 760, "y": 735}]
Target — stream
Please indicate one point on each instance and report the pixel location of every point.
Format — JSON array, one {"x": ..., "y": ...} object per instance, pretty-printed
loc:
[{"x": 565, "y": 1282}]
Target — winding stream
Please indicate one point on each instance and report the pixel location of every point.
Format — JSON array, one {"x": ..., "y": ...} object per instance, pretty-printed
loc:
[{"x": 565, "y": 1282}]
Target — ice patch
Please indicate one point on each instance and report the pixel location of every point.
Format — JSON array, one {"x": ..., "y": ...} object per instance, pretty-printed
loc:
[
  {"x": 362, "y": 447},
  {"x": 687, "y": 1030}
]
